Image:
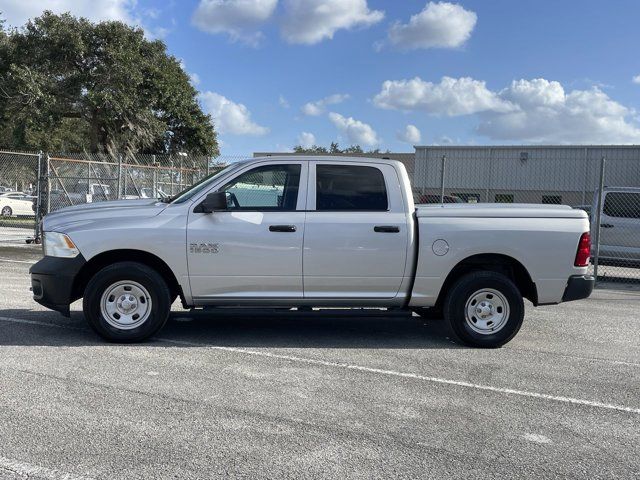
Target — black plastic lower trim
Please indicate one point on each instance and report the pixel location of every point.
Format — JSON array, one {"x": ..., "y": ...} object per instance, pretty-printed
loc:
[
  {"x": 52, "y": 281},
  {"x": 578, "y": 287}
]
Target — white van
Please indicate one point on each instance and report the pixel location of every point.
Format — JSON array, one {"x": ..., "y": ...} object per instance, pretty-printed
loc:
[{"x": 619, "y": 225}]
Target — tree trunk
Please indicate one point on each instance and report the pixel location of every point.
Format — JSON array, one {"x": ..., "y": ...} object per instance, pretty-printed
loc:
[{"x": 94, "y": 133}]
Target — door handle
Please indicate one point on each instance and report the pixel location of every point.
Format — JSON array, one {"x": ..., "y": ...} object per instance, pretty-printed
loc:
[
  {"x": 282, "y": 228},
  {"x": 386, "y": 229},
  {"x": 606, "y": 225}
]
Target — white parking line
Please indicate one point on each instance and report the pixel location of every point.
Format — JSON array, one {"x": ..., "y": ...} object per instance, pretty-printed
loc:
[
  {"x": 379, "y": 371},
  {"x": 28, "y": 470},
  {"x": 16, "y": 261},
  {"x": 36, "y": 322},
  {"x": 414, "y": 376}
]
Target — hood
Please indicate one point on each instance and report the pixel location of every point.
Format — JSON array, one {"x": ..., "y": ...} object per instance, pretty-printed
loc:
[{"x": 89, "y": 212}]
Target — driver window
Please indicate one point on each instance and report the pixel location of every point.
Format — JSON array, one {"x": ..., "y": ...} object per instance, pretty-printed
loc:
[{"x": 271, "y": 187}]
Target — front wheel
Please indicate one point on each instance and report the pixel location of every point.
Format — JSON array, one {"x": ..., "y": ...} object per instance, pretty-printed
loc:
[
  {"x": 484, "y": 309},
  {"x": 126, "y": 302},
  {"x": 7, "y": 212}
]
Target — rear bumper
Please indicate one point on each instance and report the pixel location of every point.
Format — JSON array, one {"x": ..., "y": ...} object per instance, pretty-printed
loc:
[
  {"x": 578, "y": 287},
  {"x": 52, "y": 281}
]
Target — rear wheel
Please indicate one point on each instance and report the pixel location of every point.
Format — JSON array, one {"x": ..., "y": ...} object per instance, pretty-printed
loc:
[
  {"x": 484, "y": 309},
  {"x": 7, "y": 212},
  {"x": 127, "y": 302}
]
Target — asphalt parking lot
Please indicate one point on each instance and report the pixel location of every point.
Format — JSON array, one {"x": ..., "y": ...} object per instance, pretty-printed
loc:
[{"x": 322, "y": 394}]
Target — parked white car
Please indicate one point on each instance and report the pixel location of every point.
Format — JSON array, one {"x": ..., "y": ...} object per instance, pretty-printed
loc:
[
  {"x": 16, "y": 203},
  {"x": 242, "y": 237}
]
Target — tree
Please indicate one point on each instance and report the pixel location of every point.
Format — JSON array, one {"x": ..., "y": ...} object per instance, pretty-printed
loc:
[
  {"x": 71, "y": 85},
  {"x": 334, "y": 149}
]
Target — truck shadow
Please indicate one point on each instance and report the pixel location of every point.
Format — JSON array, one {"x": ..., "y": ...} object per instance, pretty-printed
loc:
[{"x": 241, "y": 328}]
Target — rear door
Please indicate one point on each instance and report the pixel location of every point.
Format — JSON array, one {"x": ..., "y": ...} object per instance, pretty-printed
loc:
[
  {"x": 356, "y": 232},
  {"x": 620, "y": 226}
]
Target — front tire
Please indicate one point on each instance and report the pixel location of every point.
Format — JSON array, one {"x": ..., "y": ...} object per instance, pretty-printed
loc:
[
  {"x": 126, "y": 302},
  {"x": 7, "y": 212},
  {"x": 484, "y": 309}
]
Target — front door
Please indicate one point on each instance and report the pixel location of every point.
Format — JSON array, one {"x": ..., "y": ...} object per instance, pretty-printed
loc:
[
  {"x": 356, "y": 234},
  {"x": 253, "y": 250}
]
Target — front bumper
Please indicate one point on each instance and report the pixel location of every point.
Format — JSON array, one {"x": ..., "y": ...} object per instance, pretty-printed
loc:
[
  {"x": 578, "y": 287},
  {"x": 52, "y": 280}
]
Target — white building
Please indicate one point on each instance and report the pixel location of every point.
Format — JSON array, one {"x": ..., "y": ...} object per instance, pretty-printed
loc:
[{"x": 534, "y": 174}]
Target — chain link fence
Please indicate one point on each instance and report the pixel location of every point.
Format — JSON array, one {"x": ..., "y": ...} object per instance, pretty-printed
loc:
[
  {"x": 571, "y": 175},
  {"x": 604, "y": 181},
  {"x": 34, "y": 184},
  {"x": 19, "y": 173}
]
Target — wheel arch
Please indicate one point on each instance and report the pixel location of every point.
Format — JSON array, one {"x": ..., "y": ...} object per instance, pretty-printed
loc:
[
  {"x": 494, "y": 262},
  {"x": 98, "y": 262}
]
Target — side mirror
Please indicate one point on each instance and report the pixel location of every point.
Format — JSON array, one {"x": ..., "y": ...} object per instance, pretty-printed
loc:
[{"x": 212, "y": 202}]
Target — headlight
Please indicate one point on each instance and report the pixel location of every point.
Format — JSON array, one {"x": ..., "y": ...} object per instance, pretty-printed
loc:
[{"x": 58, "y": 245}]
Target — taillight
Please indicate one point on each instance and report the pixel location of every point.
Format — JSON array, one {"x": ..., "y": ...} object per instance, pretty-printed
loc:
[{"x": 584, "y": 251}]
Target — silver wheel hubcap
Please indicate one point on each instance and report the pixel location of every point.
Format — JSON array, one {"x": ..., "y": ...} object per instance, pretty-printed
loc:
[
  {"x": 125, "y": 305},
  {"x": 486, "y": 311}
]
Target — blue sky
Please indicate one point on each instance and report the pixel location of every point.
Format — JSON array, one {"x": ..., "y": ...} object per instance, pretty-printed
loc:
[{"x": 468, "y": 72}]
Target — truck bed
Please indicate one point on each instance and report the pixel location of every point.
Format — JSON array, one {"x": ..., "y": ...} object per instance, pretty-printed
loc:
[{"x": 542, "y": 238}]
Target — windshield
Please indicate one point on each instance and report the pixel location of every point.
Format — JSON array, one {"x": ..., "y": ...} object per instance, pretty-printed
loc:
[{"x": 201, "y": 185}]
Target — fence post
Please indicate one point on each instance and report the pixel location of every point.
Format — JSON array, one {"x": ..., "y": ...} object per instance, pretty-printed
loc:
[
  {"x": 181, "y": 181},
  {"x": 442, "y": 172},
  {"x": 598, "y": 215},
  {"x": 154, "y": 177},
  {"x": 171, "y": 171},
  {"x": 88, "y": 190},
  {"x": 119, "y": 181},
  {"x": 48, "y": 185},
  {"x": 124, "y": 182},
  {"x": 36, "y": 230}
]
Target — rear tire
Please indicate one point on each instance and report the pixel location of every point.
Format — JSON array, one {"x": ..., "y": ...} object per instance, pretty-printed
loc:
[
  {"x": 126, "y": 302},
  {"x": 484, "y": 309},
  {"x": 7, "y": 212}
]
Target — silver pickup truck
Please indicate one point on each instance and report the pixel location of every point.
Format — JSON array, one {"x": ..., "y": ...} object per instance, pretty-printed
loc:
[{"x": 320, "y": 232}]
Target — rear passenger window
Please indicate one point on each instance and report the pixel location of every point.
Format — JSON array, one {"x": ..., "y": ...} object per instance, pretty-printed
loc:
[
  {"x": 350, "y": 187},
  {"x": 620, "y": 204}
]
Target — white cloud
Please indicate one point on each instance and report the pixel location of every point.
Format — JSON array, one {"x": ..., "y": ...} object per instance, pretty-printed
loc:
[
  {"x": 537, "y": 111},
  {"x": 17, "y": 12},
  {"x": 547, "y": 114},
  {"x": 452, "y": 96},
  {"x": 636, "y": 79},
  {"x": 438, "y": 25},
  {"x": 311, "y": 21},
  {"x": 194, "y": 77},
  {"x": 283, "y": 102},
  {"x": 230, "y": 117},
  {"x": 445, "y": 140},
  {"x": 240, "y": 19},
  {"x": 319, "y": 106},
  {"x": 306, "y": 139},
  {"x": 410, "y": 134},
  {"x": 356, "y": 131}
]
